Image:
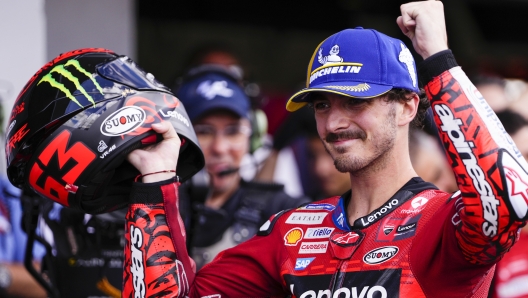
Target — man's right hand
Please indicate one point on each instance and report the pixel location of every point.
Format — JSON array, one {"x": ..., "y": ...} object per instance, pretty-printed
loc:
[
  {"x": 423, "y": 22},
  {"x": 158, "y": 157}
]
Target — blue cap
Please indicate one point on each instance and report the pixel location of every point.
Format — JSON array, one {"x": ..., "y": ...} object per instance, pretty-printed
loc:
[
  {"x": 362, "y": 63},
  {"x": 213, "y": 91}
]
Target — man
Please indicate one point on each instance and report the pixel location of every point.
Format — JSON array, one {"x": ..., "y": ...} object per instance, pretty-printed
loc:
[
  {"x": 233, "y": 209},
  {"x": 393, "y": 235}
]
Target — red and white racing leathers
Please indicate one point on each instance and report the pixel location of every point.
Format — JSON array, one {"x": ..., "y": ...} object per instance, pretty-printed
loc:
[{"x": 421, "y": 242}]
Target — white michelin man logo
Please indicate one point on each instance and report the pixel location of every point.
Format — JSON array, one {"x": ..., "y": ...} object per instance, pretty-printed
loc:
[
  {"x": 332, "y": 58},
  {"x": 211, "y": 90},
  {"x": 407, "y": 58}
]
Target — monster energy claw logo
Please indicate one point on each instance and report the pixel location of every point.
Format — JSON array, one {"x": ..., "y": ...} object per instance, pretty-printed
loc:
[{"x": 61, "y": 69}]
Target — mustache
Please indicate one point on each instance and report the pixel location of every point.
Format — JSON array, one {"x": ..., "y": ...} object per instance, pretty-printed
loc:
[{"x": 346, "y": 135}]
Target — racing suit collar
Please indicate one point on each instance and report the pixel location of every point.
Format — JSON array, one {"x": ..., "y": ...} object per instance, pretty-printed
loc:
[{"x": 413, "y": 187}]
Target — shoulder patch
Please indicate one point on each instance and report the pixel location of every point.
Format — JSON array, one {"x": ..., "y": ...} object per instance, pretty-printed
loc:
[{"x": 267, "y": 227}]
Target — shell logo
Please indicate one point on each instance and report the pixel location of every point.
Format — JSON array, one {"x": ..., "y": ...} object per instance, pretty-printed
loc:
[{"x": 293, "y": 237}]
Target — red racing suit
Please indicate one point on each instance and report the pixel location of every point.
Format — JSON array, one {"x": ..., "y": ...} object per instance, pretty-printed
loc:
[{"x": 421, "y": 243}]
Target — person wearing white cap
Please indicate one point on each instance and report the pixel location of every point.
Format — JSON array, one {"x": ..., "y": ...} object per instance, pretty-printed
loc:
[{"x": 392, "y": 235}]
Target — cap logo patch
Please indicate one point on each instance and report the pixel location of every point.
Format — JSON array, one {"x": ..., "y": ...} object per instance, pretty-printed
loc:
[
  {"x": 407, "y": 58},
  {"x": 358, "y": 88},
  {"x": 211, "y": 90},
  {"x": 331, "y": 58}
]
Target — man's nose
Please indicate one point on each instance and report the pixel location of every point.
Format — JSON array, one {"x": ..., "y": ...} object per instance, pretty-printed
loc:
[
  {"x": 220, "y": 143},
  {"x": 337, "y": 119}
]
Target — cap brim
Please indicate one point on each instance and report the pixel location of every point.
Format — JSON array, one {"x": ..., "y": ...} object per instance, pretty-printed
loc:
[{"x": 350, "y": 89}]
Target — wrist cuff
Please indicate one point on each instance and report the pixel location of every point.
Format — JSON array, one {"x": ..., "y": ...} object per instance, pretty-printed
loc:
[{"x": 435, "y": 65}]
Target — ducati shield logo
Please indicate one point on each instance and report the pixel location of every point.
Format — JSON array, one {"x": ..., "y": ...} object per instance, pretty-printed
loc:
[
  {"x": 123, "y": 121},
  {"x": 380, "y": 255}
]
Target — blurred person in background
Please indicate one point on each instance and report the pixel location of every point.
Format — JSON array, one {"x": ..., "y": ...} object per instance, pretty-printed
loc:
[
  {"x": 429, "y": 160},
  {"x": 493, "y": 89},
  {"x": 227, "y": 209},
  {"x": 511, "y": 274},
  {"x": 262, "y": 162},
  {"x": 15, "y": 280}
]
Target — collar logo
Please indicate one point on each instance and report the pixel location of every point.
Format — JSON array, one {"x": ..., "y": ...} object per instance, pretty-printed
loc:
[
  {"x": 407, "y": 58},
  {"x": 333, "y": 56},
  {"x": 210, "y": 90},
  {"x": 65, "y": 73}
]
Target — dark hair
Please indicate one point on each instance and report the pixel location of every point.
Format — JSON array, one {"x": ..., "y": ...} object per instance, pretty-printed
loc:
[
  {"x": 404, "y": 95},
  {"x": 511, "y": 121}
]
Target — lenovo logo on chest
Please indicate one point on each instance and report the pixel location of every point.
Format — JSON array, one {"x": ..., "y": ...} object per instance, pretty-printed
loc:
[{"x": 379, "y": 213}]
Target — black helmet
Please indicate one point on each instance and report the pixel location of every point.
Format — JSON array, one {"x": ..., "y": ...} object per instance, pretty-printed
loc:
[{"x": 76, "y": 120}]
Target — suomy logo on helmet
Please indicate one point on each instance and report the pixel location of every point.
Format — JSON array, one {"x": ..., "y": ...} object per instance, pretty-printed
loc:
[
  {"x": 123, "y": 121},
  {"x": 61, "y": 69}
]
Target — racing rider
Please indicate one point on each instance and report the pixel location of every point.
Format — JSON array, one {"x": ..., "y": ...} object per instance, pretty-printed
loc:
[{"x": 392, "y": 235}]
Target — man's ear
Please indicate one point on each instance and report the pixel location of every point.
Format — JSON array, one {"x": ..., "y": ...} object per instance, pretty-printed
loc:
[{"x": 409, "y": 109}]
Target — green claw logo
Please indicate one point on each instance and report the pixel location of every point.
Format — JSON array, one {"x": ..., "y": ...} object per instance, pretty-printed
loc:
[{"x": 61, "y": 69}]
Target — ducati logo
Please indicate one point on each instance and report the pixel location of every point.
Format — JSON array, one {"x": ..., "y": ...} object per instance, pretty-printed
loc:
[{"x": 123, "y": 121}]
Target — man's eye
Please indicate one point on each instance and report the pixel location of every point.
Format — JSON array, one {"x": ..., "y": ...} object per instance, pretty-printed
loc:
[
  {"x": 204, "y": 130},
  {"x": 320, "y": 106},
  {"x": 232, "y": 130}
]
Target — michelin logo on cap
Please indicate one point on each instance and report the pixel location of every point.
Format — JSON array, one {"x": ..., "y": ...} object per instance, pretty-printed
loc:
[{"x": 332, "y": 58}]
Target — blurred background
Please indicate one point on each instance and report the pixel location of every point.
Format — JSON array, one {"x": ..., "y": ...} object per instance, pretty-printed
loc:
[{"x": 273, "y": 40}]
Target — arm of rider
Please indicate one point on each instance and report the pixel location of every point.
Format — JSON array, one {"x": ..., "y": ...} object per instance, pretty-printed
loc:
[
  {"x": 423, "y": 22},
  {"x": 159, "y": 157}
]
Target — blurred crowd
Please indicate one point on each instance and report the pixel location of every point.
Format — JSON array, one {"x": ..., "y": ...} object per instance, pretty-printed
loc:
[{"x": 254, "y": 170}]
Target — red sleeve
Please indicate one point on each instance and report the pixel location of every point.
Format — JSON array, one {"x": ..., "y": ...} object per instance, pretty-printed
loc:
[
  {"x": 156, "y": 260},
  {"x": 157, "y": 263},
  {"x": 490, "y": 171}
]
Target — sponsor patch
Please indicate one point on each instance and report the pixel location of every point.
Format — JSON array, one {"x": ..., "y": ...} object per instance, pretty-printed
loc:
[
  {"x": 346, "y": 238},
  {"x": 318, "y": 233},
  {"x": 293, "y": 237},
  {"x": 305, "y": 218},
  {"x": 419, "y": 202},
  {"x": 517, "y": 182},
  {"x": 322, "y": 206},
  {"x": 363, "y": 284},
  {"x": 137, "y": 267},
  {"x": 338, "y": 216},
  {"x": 313, "y": 247},
  {"x": 378, "y": 213},
  {"x": 451, "y": 126},
  {"x": 302, "y": 263},
  {"x": 393, "y": 229},
  {"x": 380, "y": 255},
  {"x": 123, "y": 121},
  {"x": 176, "y": 115}
]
